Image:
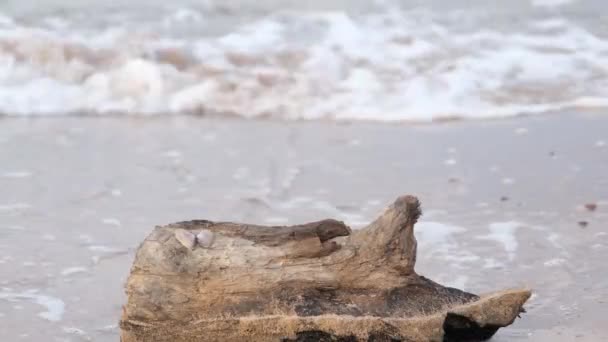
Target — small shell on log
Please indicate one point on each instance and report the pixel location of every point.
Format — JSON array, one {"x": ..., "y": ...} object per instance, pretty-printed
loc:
[
  {"x": 205, "y": 238},
  {"x": 186, "y": 238}
]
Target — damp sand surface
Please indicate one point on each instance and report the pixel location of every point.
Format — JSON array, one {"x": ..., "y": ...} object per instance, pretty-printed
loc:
[{"x": 507, "y": 203}]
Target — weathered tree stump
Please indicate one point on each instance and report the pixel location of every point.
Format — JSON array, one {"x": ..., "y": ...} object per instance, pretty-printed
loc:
[{"x": 314, "y": 282}]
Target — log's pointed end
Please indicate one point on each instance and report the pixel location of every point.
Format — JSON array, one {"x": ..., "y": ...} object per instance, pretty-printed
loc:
[
  {"x": 390, "y": 238},
  {"x": 403, "y": 213},
  {"x": 409, "y": 207},
  {"x": 479, "y": 320}
]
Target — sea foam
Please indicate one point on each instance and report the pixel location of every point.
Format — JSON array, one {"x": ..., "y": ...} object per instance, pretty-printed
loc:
[
  {"x": 389, "y": 64},
  {"x": 55, "y": 307}
]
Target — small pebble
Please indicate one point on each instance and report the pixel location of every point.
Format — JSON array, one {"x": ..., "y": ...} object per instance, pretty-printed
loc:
[
  {"x": 591, "y": 206},
  {"x": 583, "y": 224}
]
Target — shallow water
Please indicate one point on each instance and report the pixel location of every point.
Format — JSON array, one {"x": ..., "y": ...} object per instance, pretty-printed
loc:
[
  {"x": 79, "y": 195},
  {"x": 340, "y": 60}
]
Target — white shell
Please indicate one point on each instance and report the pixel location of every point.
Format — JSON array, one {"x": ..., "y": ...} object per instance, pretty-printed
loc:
[
  {"x": 205, "y": 238},
  {"x": 186, "y": 238}
]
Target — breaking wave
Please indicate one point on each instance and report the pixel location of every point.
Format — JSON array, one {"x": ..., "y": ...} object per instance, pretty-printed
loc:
[{"x": 389, "y": 65}]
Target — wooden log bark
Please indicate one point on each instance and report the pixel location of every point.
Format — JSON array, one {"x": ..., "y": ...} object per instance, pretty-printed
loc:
[{"x": 318, "y": 281}]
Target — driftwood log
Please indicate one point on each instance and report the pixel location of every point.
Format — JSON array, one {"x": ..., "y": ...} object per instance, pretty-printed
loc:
[{"x": 318, "y": 281}]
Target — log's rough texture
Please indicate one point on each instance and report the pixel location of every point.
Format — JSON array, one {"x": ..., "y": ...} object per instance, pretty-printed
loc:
[{"x": 318, "y": 281}]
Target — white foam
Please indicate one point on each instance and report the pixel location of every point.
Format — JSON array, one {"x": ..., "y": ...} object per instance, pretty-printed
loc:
[
  {"x": 554, "y": 262},
  {"x": 104, "y": 249},
  {"x": 73, "y": 270},
  {"x": 450, "y": 162},
  {"x": 175, "y": 154},
  {"x": 437, "y": 240},
  {"x": 14, "y": 207},
  {"x": 109, "y": 328},
  {"x": 385, "y": 65},
  {"x": 554, "y": 239},
  {"x": 16, "y": 174},
  {"x": 55, "y": 307},
  {"x": 111, "y": 221},
  {"x": 435, "y": 234},
  {"x": 241, "y": 173},
  {"x": 85, "y": 238},
  {"x": 551, "y": 3},
  {"x": 504, "y": 233},
  {"x": 49, "y": 237},
  {"x": 508, "y": 181},
  {"x": 492, "y": 263},
  {"x": 75, "y": 331}
]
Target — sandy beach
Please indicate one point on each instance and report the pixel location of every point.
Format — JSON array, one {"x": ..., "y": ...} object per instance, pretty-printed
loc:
[{"x": 504, "y": 206}]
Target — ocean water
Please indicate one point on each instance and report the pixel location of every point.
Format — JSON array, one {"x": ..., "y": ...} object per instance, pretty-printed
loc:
[{"x": 333, "y": 59}]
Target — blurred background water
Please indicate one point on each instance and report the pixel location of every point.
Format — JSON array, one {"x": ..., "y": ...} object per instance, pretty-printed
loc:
[{"x": 333, "y": 59}]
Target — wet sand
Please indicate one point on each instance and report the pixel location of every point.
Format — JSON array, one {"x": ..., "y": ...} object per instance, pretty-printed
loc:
[{"x": 503, "y": 201}]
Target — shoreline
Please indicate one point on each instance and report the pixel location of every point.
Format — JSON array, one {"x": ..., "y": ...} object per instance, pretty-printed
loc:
[{"x": 584, "y": 112}]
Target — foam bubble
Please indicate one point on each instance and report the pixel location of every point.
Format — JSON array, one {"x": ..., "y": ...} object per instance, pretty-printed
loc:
[
  {"x": 55, "y": 307},
  {"x": 111, "y": 221},
  {"x": 437, "y": 239},
  {"x": 434, "y": 233},
  {"x": 450, "y": 162},
  {"x": 508, "y": 181},
  {"x": 75, "y": 331},
  {"x": 16, "y": 174},
  {"x": 104, "y": 249},
  {"x": 504, "y": 234},
  {"x": 554, "y": 262},
  {"x": 492, "y": 263},
  {"x": 14, "y": 207},
  {"x": 73, "y": 270}
]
